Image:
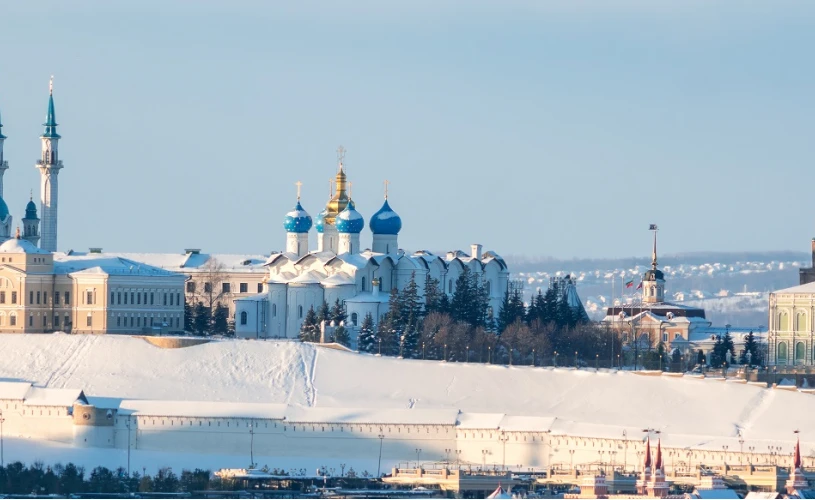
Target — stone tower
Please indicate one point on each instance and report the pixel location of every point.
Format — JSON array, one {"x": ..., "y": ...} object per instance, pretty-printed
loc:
[
  {"x": 31, "y": 223},
  {"x": 653, "y": 281},
  {"x": 49, "y": 166}
]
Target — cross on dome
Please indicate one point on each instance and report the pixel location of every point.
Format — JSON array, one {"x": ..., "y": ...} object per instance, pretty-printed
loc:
[
  {"x": 386, "y": 188},
  {"x": 299, "y": 185},
  {"x": 340, "y": 155}
]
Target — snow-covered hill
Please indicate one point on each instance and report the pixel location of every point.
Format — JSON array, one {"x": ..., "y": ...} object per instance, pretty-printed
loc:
[{"x": 691, "y": 410}]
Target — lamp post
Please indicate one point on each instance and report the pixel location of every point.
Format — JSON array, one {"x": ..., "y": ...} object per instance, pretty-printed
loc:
[
  {"x": 571, "y": 459},
  {"x": 468, "y": 354},
  {"x": 447, "y": 452},
  {"x": 422, "y": 350},
  {"x": 752, "y": 450},
  {"x": 445, "y": 352},
  {"x": 380, "y": 346},
  {"x": 575, "y": 359},
  {"x": 418, "y": 454},
  {"x": 625, "y": 450},
  {"x": 484, "y": 459},
  {"x": 379, "y": 465},
  {"x": 534, "y": 359},
  {"x": 596, "y": 361},
  {"x": 127, "y": 423},
  {"x": 2, "y": 419},
  {"x": 342, "y": 470},
  {"x": 554, "y": 359},
  {"x": 489, "y": 354},
  {"x": 252, "y": 443},
  {"x": 504, "y": 438}
]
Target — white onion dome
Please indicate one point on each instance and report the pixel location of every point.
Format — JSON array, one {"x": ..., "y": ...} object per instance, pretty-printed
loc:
[
  {"x": 349, "y": 220},
  {"x": 298, "y": 220},
  {"x": 319, "y": 223},
  {"x": 386, "y": 221},
  {"x": 17, "y": 245}
]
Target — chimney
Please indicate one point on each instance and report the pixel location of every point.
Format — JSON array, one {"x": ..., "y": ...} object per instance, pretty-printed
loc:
[
  {"x": 475, "y": 249},
  {"x": 194, "y": 251},
  {"x": 95, "y": 249}
]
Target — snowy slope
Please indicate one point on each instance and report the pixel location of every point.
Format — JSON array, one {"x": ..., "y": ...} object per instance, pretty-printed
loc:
[{"x": 290, "y": 372}]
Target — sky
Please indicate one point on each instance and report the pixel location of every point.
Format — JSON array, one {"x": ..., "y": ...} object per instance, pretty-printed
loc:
[{"x": 560, "y": 128}]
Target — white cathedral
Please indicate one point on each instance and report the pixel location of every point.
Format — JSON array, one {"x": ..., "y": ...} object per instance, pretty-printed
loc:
[{"x": 340, "y": 268}]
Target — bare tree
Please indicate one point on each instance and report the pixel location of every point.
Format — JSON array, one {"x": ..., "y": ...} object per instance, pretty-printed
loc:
[{"x": 207, "y": 284}]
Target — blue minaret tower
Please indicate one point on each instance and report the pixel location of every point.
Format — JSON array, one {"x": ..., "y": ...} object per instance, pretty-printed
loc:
[
  {"x": 49, "y": 166},
  {"x": 3, "y": 162},
  {"x": 31, "y": 223}
]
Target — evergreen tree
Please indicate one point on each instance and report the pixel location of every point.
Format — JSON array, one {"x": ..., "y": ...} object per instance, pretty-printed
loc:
[
  {"x": 189, "y": 316},
  {"x": 201, "y": 319},
  {"x": 512, "y": 309},
  {"x": 727, "y": 346},
  {"x": 432, "y": 296},
  {"x": 700, "y": 358},
  {"x": 564, "y": 316},
  {"x": 752, "y": 347},
  {"x": 338, "y": 315},
  {"x": 717, "y": 354},
  {"x": 536, "y": 308},
  {"x": 410, "y": 305},
  {"x": 550, "y": 306},
  {"x": 461, "y": 303},
  {"x": 220, "y": 319},
  {"x": 310, "y": 330},
  {"x": 367, "y": 335},
  {"x": 341, "y": 336},
  {"x": 323, "y": 314}
]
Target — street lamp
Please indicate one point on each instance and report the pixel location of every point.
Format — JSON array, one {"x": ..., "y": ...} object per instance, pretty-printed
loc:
[
  {"x": 418, "y": 454},
  {"x": 504, "y": 438},
  {"x": 554, "y": 361},
  {"x": 252, "y": 444},
  {"x": 596, "y": 361},
  {"x": 484, "y": 454},
  {"x": 468, "y": 355},
  {"x": 342, "y": 470},
  {"x": 379, "y": 465},
  {"x": 447, "y": 451},
  {"x": 571, "y": 459},
  {"x": 127, "y": 422},
  {"x": 489, "y": 354},
  {"x": 445, "y": 352},
  {"x": 575, "y": 359},
  {"x": 422, "y": 350},
  {"x": 2, "y": 419},
  {"x": 625, "y": 450},
  {"x": 534, "y": 359}
]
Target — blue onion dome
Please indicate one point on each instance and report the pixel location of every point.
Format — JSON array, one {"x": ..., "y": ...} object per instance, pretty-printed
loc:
[
  {"x": 320, "y": 222},
  {"x": 298, "y": 220},
  {"x": 386, "y": 221},
  {"x": 31, "y": 210},
  {"x": 349, "y": 220}
]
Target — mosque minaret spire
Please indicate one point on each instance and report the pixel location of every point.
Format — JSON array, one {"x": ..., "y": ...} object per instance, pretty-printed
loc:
[
  {"x": 3, "y": 162},
  {"x": 49, "y": 166}
]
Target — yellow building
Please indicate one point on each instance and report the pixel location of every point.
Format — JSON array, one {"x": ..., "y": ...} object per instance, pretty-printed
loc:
[{"x": 45, "y": 292}]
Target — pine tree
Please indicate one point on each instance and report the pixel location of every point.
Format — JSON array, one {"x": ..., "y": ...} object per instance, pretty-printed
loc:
[
  {"x": 201, "y": 319},
  {"x": 220, "y": 320},
  {"x": 564, "y": 317},
  {"x": 310, "y": 330},
  {"x": 337, "y": 314},
  {"x": 367, "y": 335},
  {"x": 341, "y": 336},
  {"x": 752, "y": 347},
  {"x": 727, "y": 346},
  {"x": 432, "y": 295},
  {"x": 717, "y": 354},
  {"x": 323, "y": 314},
  {"x": 461, "y": 303},
  {"x": 189, "y": 316},
  {"x": 550, "y": 306}
]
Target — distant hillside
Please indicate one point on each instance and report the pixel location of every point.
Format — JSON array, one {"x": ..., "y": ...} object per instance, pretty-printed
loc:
[{"x": 732, "y": 286}]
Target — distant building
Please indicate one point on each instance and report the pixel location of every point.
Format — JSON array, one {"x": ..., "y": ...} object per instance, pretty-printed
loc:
[{"x": 807, "y": 274}]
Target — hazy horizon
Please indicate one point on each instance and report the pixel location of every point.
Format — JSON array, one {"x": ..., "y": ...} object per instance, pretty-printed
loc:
[{"x": 540, "y": 129}]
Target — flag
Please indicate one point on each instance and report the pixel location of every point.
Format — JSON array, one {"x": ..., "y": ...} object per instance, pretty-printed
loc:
[
  {"x": 629, "y": 284},
  {"x": 639, "y": 287}
]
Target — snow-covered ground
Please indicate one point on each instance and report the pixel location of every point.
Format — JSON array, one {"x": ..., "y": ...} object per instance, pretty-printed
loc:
[{"x": 690, "y": 410}]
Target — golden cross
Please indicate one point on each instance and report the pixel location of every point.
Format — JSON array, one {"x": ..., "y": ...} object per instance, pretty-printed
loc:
[
  {"x": 349, "y": 189},
  {"x": 386, "y": 188},
  {"x": 330, "y": 188},
  {"x": 340, "y": 154},
  {"x": 299, "y": 185}
]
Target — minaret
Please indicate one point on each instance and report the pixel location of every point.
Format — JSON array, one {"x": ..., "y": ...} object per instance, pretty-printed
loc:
[
  {"x": 49, "y": 166},
  {"x": 3, "y": 162},
  {"x": 653, "y": 282},
  {"x": 31, "y": 223}
]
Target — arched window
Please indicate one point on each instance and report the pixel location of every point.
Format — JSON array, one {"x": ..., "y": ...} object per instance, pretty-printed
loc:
[
  {"x": 450, "y": 285},
  {"x": 783, "y": 321},
  {"x": 800, "y": 353},
  {"x": 244, "y": 317},
  {"x": 300, "y": 311},
  {"x": 488, "y": 286},
  {"x": 363, "y": 283},
  {"x": 274, "y": 310},
  {"x": 354, "y": 319},
  {"x": 801, "y": 321},
  {"x": 380, "y": 285},
  {"x": 781, "y": 356}
]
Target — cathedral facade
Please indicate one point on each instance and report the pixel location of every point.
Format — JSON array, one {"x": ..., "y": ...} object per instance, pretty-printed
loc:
[{"x": 341, "y": 269}]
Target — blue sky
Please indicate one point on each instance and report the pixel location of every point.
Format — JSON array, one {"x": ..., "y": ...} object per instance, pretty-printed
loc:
[{"x": 535, "y": 128}]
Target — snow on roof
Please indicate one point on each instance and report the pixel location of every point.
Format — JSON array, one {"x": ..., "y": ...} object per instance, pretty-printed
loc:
[
  {"x": 339, "y": 279},
  {"x": 308, "y": 277},
  {"x": 353, "y": 259},
  {"x": 41, "y": 396},
  {"x": 480, "y": 420},
  {"x": 371, "y": 416},
  {"x": 14, "y": 390},
  {"x": 16, "y": 245},
  {"x": 365, "y": 297},
  {"x": 737, "y": 334},
  {"x": 514, "y": 423},
  {"x": 202, "y": 409},
  {"x": 715, "y": 493},
  {"x": 184, "y": 262},
  {"x": 259, "y": 297},
  {"x": 97, "y": 263},
  {"x": 808, "y": 288}
]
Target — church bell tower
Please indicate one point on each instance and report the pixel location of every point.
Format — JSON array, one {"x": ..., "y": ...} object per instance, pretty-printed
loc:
[
  {"x": 49, "y": 166},
  {"x": 653, "y": 281}
]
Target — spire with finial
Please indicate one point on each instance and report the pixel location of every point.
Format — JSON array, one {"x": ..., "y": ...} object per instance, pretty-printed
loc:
[
  {"x": 797, "y": 458},
  {"x": 1, "y": 132},
  {"x": 51, "y": 118},
  {"x": 648, "y": 452},
  {"x": 658, "y": 464},
  {"x": 654, "y": 254}
]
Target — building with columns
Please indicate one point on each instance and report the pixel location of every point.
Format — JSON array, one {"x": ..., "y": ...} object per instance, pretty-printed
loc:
[{"x": 344, "y": 268}]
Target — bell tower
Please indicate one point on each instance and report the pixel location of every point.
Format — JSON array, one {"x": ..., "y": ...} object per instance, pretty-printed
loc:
[
  {"x": 653, "y": 281},
  {"x": 49, "y": 166}
]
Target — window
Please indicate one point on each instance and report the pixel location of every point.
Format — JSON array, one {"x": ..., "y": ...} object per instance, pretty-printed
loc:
[
  {"x": 800, "y": 352},
  {"x": 274, "y": 310},
  {"x": 380, "y": 285},
  {"x": 488, "y": 286},
  {"x": 165, "y": 298},
  {"x": 190, "y": 287},
  {"x": 38, "y": 297},
  {"x": 300, "y": 311},
  {"x": 67, "y": 321},
  {"x": 89, "y": 297},
  {"x": 30, "y": 297},
  {"x": 45, "y": 321},
  {"x": 12, "y": 320},
  {"x": 226, "y": 287},
  {"x": 131, "y": 321},
  {"x": 119, "y": 297},
  {"x": 176, "y": 322},
  {"x": 138, "y": 298},
  {"x": 119, "y": 321},
  {"x": 664, "y": 337},
  {"x": 783, "y": 321},
  {"x": 2, "y": 297},
  {"x": 207, "y": 287},
  {"x": 800, "y": 322},
  {"x": 782, "y": 353},
  {"x": 13, "y": 297},
  {"x": 178, "y": 299},
  {"x": 31, "y": 320},
  {"x": 67, "y": 298},
  {"x": 56, "y": 298},
  {"x": 89, "y": 320},
  {"x": 138, "y": 321},
  {"x": 151, "y": 299},
  {"x": 44, "y": 297},
  {"x": 243, "y": 287},
  {"x": 243, "y": 317},
  {"x": 112, "y": 298},
  {"x": 260, "y": 287},
  {"x": 363, "y": 283},
  {"x": 450, "y": 286},
  {"x": 354, "y": 319},
  {"x": 171, "y": 299},
  {"x": 56, "y": 320}
]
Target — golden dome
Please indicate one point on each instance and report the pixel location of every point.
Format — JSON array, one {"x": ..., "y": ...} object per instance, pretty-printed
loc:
[{"x": 339, "y": 201}]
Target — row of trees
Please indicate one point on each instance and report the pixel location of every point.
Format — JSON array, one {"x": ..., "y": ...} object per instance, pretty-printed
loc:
[
  {"x": 202, "y": 320},
  {"x": 334, "y": 318}
]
